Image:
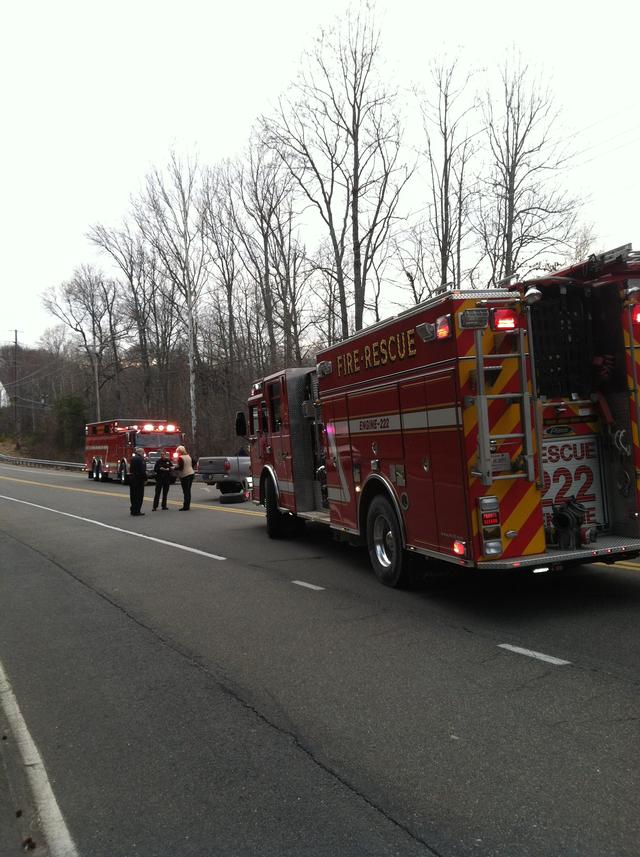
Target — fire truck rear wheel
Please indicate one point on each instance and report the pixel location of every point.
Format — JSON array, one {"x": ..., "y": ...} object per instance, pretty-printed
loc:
[
  {"x": 97, "y": 471},
  {"x": 275, "y": 518},
  {"x": 122, "y": 473},
  {"x": 384, "y": 540}
]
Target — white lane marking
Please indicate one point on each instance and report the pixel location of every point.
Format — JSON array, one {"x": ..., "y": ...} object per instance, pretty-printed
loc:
[
  {"x": 531, "y": 654},
  {"x": 117, "y": 529},
  {"x": 308, "y": 585},
  {"x": 53, "y": 824}
]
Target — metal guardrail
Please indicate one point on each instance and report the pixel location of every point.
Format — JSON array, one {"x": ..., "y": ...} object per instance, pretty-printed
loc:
[{"x": 41, "y": 462}]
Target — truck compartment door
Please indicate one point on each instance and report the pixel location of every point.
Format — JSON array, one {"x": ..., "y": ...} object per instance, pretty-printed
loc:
[{"x": 420, "y": 513}]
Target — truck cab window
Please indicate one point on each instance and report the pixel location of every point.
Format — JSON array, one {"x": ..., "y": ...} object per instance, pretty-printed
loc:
[
  {"x": 264, "y": 424},
  {"x": 274, "y": 399},
  {"x": 254, "y": 425}
]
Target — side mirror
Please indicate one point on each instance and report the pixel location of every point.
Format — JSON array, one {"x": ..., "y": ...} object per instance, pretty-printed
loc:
[{"x": 241, "y": 424}]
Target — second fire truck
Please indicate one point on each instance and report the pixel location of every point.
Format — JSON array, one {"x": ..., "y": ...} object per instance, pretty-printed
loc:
[
  {"x": 493, "y": 429},
  {"x": 109, "y": 445}
]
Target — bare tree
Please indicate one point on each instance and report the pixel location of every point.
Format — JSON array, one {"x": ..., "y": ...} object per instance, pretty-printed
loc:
[
  {"x": 262, "y": 187},
  {"x": 88, "y": 305},
  {"x": 340, "y": 139},
  {"x": 169, "y": 216},
  {"x": 126, "y": 250},
  {"x": 523, "y": 213},
  {"x": 220, "y": 226},
  {"x": 449, "y": 149},
  {"x": 291, "y": 274}
]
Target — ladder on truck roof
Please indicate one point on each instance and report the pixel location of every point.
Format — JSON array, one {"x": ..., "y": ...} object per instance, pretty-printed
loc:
[{"x": 483, "y": 468}]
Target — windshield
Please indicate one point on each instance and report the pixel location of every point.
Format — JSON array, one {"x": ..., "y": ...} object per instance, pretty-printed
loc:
[{"x": 157, "y": 440}]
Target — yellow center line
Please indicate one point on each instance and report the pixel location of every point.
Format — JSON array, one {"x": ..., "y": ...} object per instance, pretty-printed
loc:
[
  {"x": 632, "y": 566},
  {"x": 126, "y": 497}
]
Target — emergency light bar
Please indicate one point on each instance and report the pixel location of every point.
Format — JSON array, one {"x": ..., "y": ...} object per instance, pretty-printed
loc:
[
  {"x": 503, "y": 319},
  {"x": 444, "y": 327}
]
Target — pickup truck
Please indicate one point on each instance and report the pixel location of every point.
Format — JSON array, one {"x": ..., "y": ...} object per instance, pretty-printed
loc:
[{"x": 229, "y": 473}]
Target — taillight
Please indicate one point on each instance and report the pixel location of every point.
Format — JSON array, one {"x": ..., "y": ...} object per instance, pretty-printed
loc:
[
  {"x": 635, "y": 314},
  {"x": 503, "y": 319},
  {"x": 227, "y": 465},
  {"x": 459, "y": 547},
  {"x": 444, "y": 327}
]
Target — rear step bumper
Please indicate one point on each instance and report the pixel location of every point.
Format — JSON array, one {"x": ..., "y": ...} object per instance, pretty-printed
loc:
[{"x": 607, "y": 548}]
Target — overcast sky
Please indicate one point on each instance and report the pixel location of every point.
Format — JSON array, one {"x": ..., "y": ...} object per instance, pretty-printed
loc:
[{"x": 93, "y": 94}]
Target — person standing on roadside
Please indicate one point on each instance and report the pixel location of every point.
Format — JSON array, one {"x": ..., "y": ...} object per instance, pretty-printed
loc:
[
  {"x": 137, "y": 479},
  {"x": 186, "y": 474},
  {"x": 162, "y": 469}
]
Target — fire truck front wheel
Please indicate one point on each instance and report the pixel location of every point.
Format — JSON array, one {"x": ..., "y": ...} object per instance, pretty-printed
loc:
[
  {"x": 275, "y": 518},
  {"x": 384, "y": 540}
]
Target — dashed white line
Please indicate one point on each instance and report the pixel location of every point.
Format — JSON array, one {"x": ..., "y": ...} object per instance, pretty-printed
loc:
[
  {"x": 308, "y": 585},
  {"x": 116, "y": 529},
  {"x": 531, "y": 654},
  {"x": 53, "y": 824}
]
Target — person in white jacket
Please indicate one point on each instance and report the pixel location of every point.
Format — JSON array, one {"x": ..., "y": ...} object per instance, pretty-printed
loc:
[{"x": 184, "y": 468}]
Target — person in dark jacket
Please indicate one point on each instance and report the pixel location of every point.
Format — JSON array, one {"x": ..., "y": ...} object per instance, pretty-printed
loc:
[
  {"x": 162, "y": 469},
  {"x": 137, "y": 479}
]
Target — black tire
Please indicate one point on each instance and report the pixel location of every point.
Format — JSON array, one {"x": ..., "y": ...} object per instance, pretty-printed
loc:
[
  {"x": 275, "y": 518},
  {"x": 296, "y": 525},
  {"x": 384, "y": 541},
  {"x": 97, "y": 471},
  {"x": 123, "y": 476}
]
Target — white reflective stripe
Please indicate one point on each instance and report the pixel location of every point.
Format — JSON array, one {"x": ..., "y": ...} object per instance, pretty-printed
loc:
[
  {"x": 285, "y": 485},
  {"x": 384, "y": 422},
  {"x": 437, "y": 418},
  {"x": 414, "y": 420}
]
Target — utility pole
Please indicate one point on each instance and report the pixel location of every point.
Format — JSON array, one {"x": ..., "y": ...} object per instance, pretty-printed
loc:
[{"x": 16, "y": 416}]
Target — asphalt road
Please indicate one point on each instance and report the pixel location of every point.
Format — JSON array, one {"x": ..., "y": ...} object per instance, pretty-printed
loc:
[{"x": 189, "y": 696}]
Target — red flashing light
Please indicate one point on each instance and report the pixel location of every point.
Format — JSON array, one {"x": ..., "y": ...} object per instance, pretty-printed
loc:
[
  {"x": 459, "y": 547},
  {"x": 635, "y": 314},
  {"x": 444, "y": 327},
  {"x": 490, "y": 519},
  {"x": 504, "y": 319}
]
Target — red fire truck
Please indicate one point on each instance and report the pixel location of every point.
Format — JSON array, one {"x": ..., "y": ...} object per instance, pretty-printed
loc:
[
  {"x": 493, "y": 429},
  {"x": 110, "y": 444}
]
